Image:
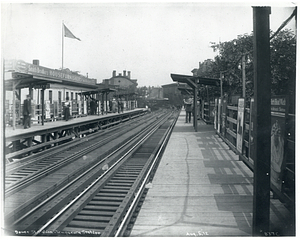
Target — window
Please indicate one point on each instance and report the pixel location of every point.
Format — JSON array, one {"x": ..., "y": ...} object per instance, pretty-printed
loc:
[
  {"x": 50, "y": 96},
  {"x": 72, "y": 95},
  {"x": 59, "y": 97}
]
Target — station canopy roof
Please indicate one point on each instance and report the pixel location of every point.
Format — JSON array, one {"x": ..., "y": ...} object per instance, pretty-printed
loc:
[
  {"x": 99, "y": 90},
  {"x": 185, "y": 89},
  {"x": 193, "y": 81},
  {"x": 20, "y": 74}
]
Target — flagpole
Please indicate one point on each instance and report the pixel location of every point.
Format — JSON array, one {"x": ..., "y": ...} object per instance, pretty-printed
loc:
[{"x": 62, "y": 51}]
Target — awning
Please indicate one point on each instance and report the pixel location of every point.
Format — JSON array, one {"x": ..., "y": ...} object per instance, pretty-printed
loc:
[
  {"x": 193, "y": 81},
  {"x": 185, "y": 90},
  {"x": 99, "y": 90},
  {"x": 26, "y": 80}
]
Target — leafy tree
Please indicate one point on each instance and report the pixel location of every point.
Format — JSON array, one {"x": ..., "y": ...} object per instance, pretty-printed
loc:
[
  {"x": 228, "y": 62},
  {"x": 283, "y": 62},
  {"x": 142, "y": 91}
]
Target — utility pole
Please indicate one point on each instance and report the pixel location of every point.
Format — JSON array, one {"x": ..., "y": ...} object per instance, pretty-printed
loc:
[
  {"x": 262, "y": 121},
  {"x": 244, "y": 75},
  {"x": 221, "y": 84}
]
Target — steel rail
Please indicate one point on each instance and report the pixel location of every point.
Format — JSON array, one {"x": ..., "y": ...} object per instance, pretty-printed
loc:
[
  {"x": 13, "y": 188},
  {"x": 140, "y": 191},
  {"x": 133, "y": 148},
  {"x": 82, "y": 175},
  {"x": 48, "y": 152}
]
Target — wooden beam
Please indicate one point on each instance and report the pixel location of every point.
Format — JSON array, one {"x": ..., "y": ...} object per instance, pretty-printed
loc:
[
  {"x": 262, "y": 121},
  {"x": 43, "y": 104}
]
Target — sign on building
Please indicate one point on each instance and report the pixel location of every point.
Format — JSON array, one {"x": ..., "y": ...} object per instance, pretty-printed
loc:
[
  {"x": 240, "y": 125},
  {"x": 278, "y": 119}
]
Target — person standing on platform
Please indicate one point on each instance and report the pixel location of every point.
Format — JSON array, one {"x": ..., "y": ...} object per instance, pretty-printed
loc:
[
  {"x": 119, "y": 105},
  {"x": 27, "y": 112},
  {"x": 122, "y": 107},
  {"x": 188, "y": 104},
  {"x": 93, "y": 107},
  {"x": 67, "y": 109}
]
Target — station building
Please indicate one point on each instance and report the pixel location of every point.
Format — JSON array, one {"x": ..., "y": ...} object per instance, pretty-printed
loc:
[
  {"x": 125, "y": 89},
  {"x": 49, "y": 89}
]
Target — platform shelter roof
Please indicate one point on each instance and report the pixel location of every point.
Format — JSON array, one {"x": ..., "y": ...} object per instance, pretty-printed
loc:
[
  {"x": 185, "y": 90},
  {"x": 19, "y": 74},
  {"x": 98, "y": 90},
  {"x": 193, "y": 81}
]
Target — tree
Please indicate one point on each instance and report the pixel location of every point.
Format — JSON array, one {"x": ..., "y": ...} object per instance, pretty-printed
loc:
[
  {"x": 283, "y": 62},
  {"x": 229, "y": 60}
]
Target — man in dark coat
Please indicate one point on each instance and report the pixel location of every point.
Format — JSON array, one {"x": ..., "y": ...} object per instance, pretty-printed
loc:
[
  {"x": 93, "y": 106},
  {"x": 27, "y": 112},
  {"x": 188, "y": 104}
]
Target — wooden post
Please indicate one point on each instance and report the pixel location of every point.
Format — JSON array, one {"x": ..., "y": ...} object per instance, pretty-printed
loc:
[
  {"x": 106, "y": 101},
  {"x": 262, "y": 121},
  {"x": 195, "y": 109},
  {"x": 98, "y": 101},
  {"x": 102, "y": 103},
  {"x": 14, "y": 106},
  {"x": 43, "y": 104},
  {"x": 4, "y": 126},
  {"x": 221, "y": 85}
]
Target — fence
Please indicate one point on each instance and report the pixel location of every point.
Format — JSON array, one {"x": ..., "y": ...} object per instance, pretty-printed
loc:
[
  {"x": 234, "y": 124},
  {"x": 54, "y": 111}
]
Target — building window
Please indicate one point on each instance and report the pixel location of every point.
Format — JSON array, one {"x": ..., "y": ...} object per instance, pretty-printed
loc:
[
  {"x": 59, "y": 97},
  {"x": 50, "y": 96},
  {"x": 67, "y": 95},
  {"x": 72, "y": 95}
]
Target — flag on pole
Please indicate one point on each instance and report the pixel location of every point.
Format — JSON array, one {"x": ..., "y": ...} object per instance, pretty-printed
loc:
[{"x": 69, "y": 34}]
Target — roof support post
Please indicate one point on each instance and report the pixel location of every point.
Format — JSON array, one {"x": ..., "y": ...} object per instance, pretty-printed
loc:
[
  {"x": 262, "y": 121},
  {"x": 98, "y": 101},
  {"x": 106, "y": 102},
  {"x": 102, "y": 103},
  {"x": 195, "y": 110},
  {"x": 15, "y": 84},
  {"x": 43, "y": 104},
  {"x": 14, "y": 106}
]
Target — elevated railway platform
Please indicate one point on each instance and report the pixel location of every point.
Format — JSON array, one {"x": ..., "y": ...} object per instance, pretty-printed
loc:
[
  {"x": 202, "y": 189},
  {"x": 20, "y": 141}
]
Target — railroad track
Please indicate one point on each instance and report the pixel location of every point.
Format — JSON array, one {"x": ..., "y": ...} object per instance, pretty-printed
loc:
[
  {"x": 22, "y": 173},
  {"x": 111, "y": 199},
  {"x": 32, "y": 217}
]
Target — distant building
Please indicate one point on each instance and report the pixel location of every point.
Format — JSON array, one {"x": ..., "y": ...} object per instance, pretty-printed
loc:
[
  {"x": 203, "y": 68},
  {"x": 121, "y": 80},
  {"x": 156, "y": 92},
  {"x": 47, "y": 87},
  {"x": 172, "y": 92},
  {"x": 125, "y": 88},
  {"x": 195, "y": 71}
]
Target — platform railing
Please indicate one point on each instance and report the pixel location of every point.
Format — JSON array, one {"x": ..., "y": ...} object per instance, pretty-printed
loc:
[{"x": 226, "y": 126}]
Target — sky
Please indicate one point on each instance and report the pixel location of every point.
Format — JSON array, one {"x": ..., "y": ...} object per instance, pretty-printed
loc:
[{"x": 151, "y": 40}]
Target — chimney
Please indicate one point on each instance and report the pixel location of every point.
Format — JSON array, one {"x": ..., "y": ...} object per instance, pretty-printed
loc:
[
  {"x": 114, "y": 73},
  {"x": 36, "y": 62},
  {"x": 128, "y": 74},
  {"x": 124, "y": 73}
]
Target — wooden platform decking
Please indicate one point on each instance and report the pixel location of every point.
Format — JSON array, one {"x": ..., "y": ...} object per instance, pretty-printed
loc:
[
  {"x": 200, "y": 189},
  {"x": 11, "y": 133}
]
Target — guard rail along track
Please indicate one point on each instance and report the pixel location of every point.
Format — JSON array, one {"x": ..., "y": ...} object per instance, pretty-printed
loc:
[{"x": 100, "y": 200}]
